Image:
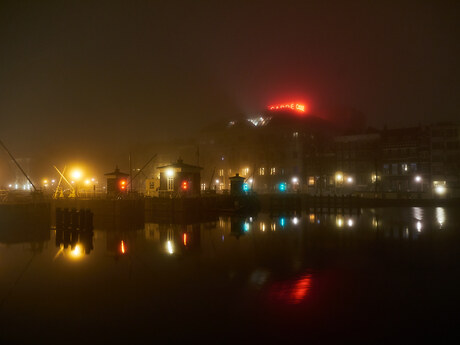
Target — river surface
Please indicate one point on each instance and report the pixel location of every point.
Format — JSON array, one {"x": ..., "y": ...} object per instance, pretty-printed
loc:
[{"x": 389, "y": 275}]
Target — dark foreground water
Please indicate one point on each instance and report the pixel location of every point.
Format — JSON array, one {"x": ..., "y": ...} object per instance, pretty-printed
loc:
[{"x": 385, "y": 276}]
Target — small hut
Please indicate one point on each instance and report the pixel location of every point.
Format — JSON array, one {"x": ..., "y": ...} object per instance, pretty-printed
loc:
[
  {"x": 117, "y": 182},
  {"x": 179, "y": 179},
  {"x": 237, "y": 185}
]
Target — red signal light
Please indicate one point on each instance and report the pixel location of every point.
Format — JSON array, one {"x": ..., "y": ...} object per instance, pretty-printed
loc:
[
  {"x": 184, "y": 185},
  {"x": 122, "y": 185}
]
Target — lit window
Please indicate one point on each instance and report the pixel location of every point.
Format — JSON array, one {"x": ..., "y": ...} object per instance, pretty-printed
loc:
[
  {"x": 245, "y": 171},
  {"x": 170, "y": 183},
  {"x": 272, "y": 171},
  {"x": 295, "y": 134},
  {"x": 221, "y": 172},
  {"x": 261, "y": 171},
  {"x": 311, "y": 180}
]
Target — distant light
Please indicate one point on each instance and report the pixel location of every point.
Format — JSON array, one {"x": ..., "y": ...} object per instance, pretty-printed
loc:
[
  {"x": 217, "y": 181},
  {"x": 419, "y": 226},
  {"x": 10, "y": 185},
  {"x": 245, "y": 187},
  {"x": 250, "y": 180},
  {"x": 184, "y": 236},
  {"x": 339, "y": 177},
  {"x": 87, "y": 182},
  {"x": 350, "y": 179},
  {"x": 52, "y": 181},
  {"x": 184, "y": 185},
  {"x": 282, "y": 187},
  {"x": 350, "y": 222},
  {"x": 418, "y": 178},
  {"x": 295, "y": 180},
  {"x": 122, "y": 247},
  {"x": 45, "y": 181},
  {"x": 440, "y": 190},
  {"x": 93, "y": 179},
  {"x": 170, "y": 172},
  {"x": 246, "y": 227},
  {"x": 282, "y": 222},
  {"x": 295, "y": 220},
  {"x": 339, "y": 222}
]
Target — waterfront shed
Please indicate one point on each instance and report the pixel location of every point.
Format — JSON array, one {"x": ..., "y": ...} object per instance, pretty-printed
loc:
[
  {"x": 179, "y": 179},
  {"x": 236, "y": 185},
  {"x": 117, "y": 182}
]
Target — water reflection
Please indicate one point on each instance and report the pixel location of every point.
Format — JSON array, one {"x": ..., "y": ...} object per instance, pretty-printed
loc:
[
  {"x": 291, "y": 291},
  {"x": 76, "y": 242},
  {"x": 440, "y": 216},
  {"x": 314, "y": 262}
]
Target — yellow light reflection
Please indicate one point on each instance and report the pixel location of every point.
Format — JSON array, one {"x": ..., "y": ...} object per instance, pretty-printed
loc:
[
  {"x": 169, "y": 247},
  {"x": 77, "y": 252},
  {"x": 440, "y": 216}
]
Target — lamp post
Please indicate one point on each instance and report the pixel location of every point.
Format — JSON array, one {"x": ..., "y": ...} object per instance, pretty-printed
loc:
[
  {"x": 76, "y": 176},
  {"x": 338, "y": 180},
  {"x": 418, "y": 179}
]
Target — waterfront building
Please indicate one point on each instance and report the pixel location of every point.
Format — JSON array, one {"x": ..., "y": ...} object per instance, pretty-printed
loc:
[
  {"x": 117, "y": 183},
  {"x": 179, "y": 180}
]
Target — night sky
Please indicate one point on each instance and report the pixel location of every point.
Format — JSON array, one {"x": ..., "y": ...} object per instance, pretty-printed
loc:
[{"x": 87, "y": 80}]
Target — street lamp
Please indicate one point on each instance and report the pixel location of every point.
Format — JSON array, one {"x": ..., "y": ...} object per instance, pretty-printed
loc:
[{"x": 418, "y": 179}]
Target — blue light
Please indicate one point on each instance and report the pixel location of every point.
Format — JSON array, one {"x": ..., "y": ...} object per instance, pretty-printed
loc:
[
  {"x": 282, "y": 222},
  {"x": 246, "y": 227},
  {"x": 245, "y": 187},
  {"x": 282, "y": 187}
]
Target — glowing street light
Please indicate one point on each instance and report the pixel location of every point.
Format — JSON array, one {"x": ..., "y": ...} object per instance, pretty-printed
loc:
[
  {"x": 349, "y": 179},
  {"x": 170, "y": 172},
  {"x": 439, "y": 189},
  {"x": 418, "y": 178},
  {"x": 76, "y": 174},
  {"x": 339, "y": 177}
]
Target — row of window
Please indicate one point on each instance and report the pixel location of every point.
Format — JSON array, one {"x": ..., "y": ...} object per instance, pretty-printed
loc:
[{"x": 245, "y": 171}]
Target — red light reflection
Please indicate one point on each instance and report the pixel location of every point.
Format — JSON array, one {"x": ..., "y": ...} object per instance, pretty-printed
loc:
[{"x": 293, "y": 291}]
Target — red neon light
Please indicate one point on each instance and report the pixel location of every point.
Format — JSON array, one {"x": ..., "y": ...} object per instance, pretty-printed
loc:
[
  {"x": 185, "y": 239},
  {"x": 293, "y": 106}
]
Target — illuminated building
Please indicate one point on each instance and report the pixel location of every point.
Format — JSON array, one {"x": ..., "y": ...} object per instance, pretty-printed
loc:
[
  {"x": 267, "y": 149},
  {"x": 179, "y": 179}
]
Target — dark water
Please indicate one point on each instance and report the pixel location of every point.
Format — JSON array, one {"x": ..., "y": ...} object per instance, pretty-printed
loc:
[{"x": 385, "y": 276}]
